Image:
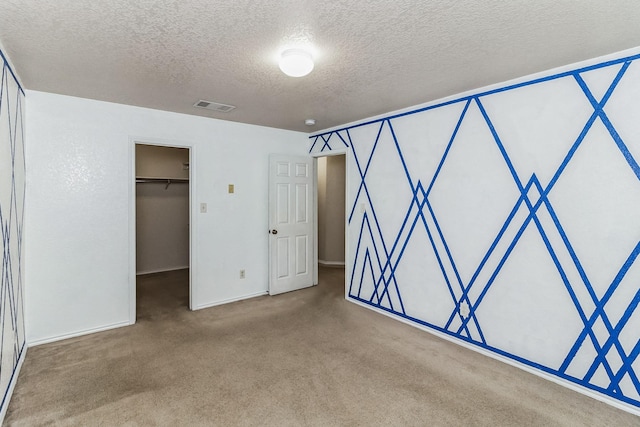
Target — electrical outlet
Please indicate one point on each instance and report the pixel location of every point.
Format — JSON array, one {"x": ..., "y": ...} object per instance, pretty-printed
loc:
[{"x": 242, "y": 274}]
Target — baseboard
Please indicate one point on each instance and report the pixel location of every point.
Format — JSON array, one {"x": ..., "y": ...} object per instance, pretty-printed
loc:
[
  {"x": 162, "y": 270},
  {"x": 331, "y": 263},
  {"x": 567, "y": 384},
  {"x": 12, "y": 384},
  {"x": 230, "y": 300},
  {"x": 78, "y": 334}
]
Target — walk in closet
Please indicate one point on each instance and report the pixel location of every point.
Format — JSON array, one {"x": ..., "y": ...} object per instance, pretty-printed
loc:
[{"x": 162, "y": 225}]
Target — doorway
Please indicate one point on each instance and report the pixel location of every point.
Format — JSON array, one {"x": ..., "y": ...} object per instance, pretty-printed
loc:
[
  {"x": 162, "y": 230},
  {"x": 331, "y": 221}
]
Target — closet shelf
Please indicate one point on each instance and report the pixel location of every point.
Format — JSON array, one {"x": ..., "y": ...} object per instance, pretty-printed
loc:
[{"x": 167, "y": 181}]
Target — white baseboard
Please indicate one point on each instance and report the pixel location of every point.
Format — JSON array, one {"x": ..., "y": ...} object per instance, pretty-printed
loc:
[
  {"x": 162, "y": 270},
  {"x": 568, "y": 384},
  {"x": 77, "y": 334},
  {"x": 331, "y": 263},
  {"x": 12, "y": 384},
  {"x": 227, "y": 301}
]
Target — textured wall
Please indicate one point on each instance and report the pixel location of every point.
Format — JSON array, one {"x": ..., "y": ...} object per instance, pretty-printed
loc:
[
  {"x": 12, "y": 192},
  {"x": 509, "y": 219},
  {"x": 80, "y": 158}
]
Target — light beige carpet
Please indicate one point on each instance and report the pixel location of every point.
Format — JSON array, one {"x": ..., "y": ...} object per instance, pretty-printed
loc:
[{"x": 307, "y": 358}]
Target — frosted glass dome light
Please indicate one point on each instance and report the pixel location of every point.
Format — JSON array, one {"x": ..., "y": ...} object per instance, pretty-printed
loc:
[{"x": 296, "y": 62}]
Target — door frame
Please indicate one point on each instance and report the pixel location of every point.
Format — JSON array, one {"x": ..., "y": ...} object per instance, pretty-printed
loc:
[
  {"x": 132, "y": 216},
  {"x": 347, "y": 264}
]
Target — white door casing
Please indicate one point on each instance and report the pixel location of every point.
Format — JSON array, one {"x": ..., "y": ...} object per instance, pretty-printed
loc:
[{"x": 291, "y": 223}]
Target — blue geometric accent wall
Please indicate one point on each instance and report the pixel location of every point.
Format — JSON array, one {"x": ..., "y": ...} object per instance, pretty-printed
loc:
[
  {"x": 12, "y": 191},
  {"x": 509, "y": 219}
]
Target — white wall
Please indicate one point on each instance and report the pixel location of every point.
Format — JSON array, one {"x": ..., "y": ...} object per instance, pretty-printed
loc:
[
  {"x": 12, "y": 231},
  {"x": 508, "y": 220},
  {"x": 80, "y": 172},
  {"x": 331, "y": 209},
  {"x": 162, "y": 227},
  {"x": 162, "y": 212},
  {"x": 153, "y": 161},
  {"x": 321, "y": 171}
]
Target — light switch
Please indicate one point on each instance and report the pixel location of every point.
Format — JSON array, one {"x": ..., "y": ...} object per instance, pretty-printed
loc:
[
  {"x": 231, "y": 188},
  {"x": 203, "y": 208}
]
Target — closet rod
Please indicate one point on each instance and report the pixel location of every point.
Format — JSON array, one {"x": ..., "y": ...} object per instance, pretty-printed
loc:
[{"x": 168, "y": 181}]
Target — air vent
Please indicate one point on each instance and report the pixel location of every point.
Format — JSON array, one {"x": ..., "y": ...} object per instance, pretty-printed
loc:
[{"x": 214, "y": 106}]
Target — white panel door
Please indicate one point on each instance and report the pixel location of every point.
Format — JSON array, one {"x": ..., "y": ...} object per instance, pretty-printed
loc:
[{"x": 290, "y": 223}]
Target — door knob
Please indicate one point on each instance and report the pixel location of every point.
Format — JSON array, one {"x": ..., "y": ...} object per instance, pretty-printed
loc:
[{"x": 274, "y": 231}]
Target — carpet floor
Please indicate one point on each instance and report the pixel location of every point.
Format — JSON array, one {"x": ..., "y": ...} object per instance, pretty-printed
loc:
[{"x": 306, "y": 358}]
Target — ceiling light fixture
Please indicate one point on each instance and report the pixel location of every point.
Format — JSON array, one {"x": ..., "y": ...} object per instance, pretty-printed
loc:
[
  {"x": 310, "y": 122},
  {"x": 296, "y": 62}
]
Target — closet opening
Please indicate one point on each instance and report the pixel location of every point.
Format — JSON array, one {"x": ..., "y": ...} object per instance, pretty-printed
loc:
[
  {"x": 162, "y": 230},
  {"x": 331, "y": 222}
]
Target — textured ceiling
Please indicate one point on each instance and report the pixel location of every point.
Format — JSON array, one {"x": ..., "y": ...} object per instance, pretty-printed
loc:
[{"x": 372, "y": 56}]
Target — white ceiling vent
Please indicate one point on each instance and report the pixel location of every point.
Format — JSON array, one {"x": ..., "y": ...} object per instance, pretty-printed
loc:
[{"x": 214, "y": 106}]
